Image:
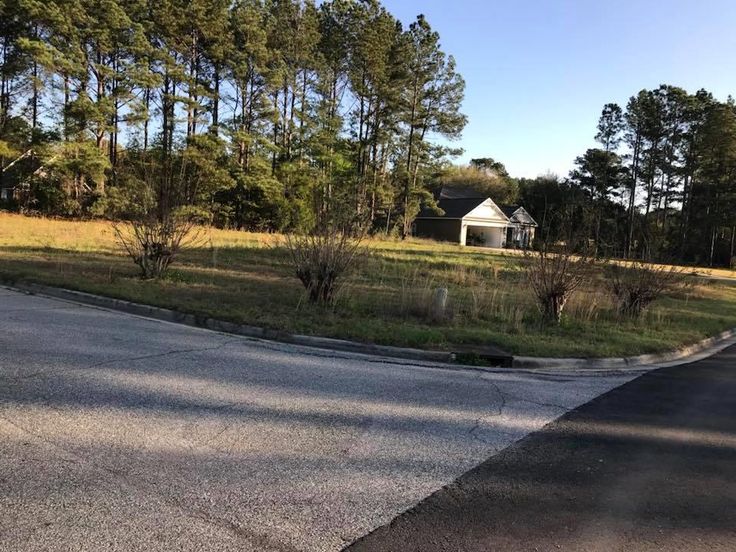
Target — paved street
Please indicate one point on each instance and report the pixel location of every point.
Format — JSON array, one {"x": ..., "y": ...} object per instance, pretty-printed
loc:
[
  {"x": 651, "y": 466},
  {"x": 121, "y": 433}
]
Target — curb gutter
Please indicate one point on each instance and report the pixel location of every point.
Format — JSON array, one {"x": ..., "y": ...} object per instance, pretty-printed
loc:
[
  {"x": 627, "y": 362},
  {"x": 446, "y": 357},
  {"x": 198, "y": 321}
]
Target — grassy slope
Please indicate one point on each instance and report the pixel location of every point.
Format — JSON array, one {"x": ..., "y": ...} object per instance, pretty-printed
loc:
[{"x": 246, "y": 278}]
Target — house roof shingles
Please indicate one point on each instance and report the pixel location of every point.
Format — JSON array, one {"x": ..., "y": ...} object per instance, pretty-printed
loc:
[
  {"x": 509, "y": 210},
  {"x": 453, "y": 208}
]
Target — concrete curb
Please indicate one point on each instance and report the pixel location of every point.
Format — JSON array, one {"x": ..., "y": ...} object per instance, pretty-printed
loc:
[
  {"x": 627, "y": 362},
  {"x": 446, "y": 357},
  {"x": 168, "y": 315}
]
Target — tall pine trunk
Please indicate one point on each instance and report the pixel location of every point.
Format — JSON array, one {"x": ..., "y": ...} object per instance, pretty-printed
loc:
[{"x": 632, "y": 195}]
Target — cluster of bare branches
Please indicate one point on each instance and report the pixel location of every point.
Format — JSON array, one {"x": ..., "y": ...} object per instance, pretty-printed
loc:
[
  {"x": 554, "y": 277},
  {"x": 161, "y": 220},
  {"x": 153, "y": 243},
  {"x": 321, "y": 259},
  {"x": 637, "y": 285}
]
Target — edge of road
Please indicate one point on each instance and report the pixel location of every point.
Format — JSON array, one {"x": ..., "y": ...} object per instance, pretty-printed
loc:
[{"x": 690, "y": 353}]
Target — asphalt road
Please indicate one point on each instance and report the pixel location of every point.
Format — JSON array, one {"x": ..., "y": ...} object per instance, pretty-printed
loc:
[
  {"x": 650, "y": 466},
  {"x": 120, "y": 433}
]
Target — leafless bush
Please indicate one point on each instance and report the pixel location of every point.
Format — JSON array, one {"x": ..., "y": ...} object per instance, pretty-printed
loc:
[
  {"x": 159, "y": 206},
  {"x": 322, "y": 259},
  {"x": 554, "y": 277},
  {"x": 636, "y": 286},
  {"x": 154, "y": 243}
]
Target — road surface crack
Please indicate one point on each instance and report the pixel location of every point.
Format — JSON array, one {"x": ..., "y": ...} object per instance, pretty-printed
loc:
[
  {"x": 501, "y": 398},
  {"x": 163, "y": 354}
]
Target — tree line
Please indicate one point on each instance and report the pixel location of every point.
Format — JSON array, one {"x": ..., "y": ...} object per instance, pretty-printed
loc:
[
  {"x": 279, "y": 115},
  {"x": 262, "y": 114},
  {"x": 661, "y": 185}
]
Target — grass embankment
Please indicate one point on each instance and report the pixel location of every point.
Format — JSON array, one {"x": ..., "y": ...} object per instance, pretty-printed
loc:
[{"x": 247, "y": 278}]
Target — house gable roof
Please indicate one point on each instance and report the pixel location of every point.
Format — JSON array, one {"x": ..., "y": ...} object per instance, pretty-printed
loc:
[
  {"x": 488, "y": 211},
  {"x": 458, "y": 203},
  {"x": 476, "y": 208},
  {"x": 518, "y": 215}
]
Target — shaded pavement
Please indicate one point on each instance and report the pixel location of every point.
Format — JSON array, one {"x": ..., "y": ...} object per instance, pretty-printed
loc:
[{"x": 648, "y": 466}]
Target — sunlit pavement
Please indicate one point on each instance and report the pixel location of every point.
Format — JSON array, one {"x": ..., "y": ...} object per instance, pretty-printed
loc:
[
  {"x": 120, "y": 433},
  {"x": 651, "y": 466}
]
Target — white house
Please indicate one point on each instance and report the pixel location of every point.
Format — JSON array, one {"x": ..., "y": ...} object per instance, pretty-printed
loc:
[{"x": 477, "y": 221}]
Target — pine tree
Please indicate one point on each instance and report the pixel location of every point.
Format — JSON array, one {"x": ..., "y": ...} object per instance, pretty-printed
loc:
[
  {"x": 432, "y": 106},
  {"x": 378, "y": 79}
]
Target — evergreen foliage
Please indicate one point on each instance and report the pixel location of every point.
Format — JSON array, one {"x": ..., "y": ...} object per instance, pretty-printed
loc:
[
  {"x": 294, "y": 109},
  {"x": 661, "y": 187}
]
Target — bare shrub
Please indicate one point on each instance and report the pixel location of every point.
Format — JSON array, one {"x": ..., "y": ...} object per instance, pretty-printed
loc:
[
  {"x": 153, "y": 243},
  {"x": 322, "y": 259},
  {"x": 636, "y": 286},
  {"x": 158, "y": 212},
  {"x": 554, "y": 277}
]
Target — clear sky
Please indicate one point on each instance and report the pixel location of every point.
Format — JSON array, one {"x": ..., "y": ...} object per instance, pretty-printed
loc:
[{"x": 538, "y": 72}]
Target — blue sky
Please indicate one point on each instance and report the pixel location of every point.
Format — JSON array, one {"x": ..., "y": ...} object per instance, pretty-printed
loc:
[{"x": 538, "y": 72}]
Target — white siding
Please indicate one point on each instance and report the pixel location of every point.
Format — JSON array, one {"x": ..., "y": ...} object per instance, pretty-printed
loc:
[{"x": 487, "y": 212}]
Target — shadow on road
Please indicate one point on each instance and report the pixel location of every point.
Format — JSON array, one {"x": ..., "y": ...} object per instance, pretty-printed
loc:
[{"x": 648, "y": 466}]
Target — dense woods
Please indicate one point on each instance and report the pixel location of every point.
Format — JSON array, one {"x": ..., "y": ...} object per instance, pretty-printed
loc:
[
  {"x": 260, "y": 114},
  {"x": 281, "y": 115},
  {"x": 660, "y": 186}
]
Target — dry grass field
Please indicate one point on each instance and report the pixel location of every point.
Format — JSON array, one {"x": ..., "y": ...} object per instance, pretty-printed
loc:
[{"x": 245, "y": 277}]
